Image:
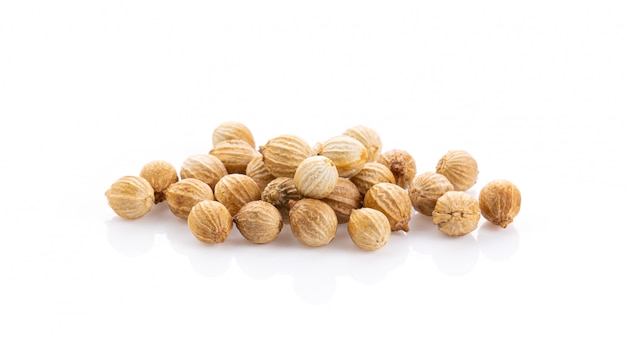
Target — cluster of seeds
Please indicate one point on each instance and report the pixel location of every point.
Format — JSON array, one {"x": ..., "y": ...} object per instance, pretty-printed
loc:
[{"x": 347, "y": 179}]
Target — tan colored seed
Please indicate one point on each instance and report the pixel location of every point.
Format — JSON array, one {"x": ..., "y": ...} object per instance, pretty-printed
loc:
[
  {"x": 425, "y": 189},
  {"x": 204, "y": 167},
  {"x": 280, "y": 192},
  {"x": 259, "y": 222},
  {"x": 456, "y": 213},
  {"x": 235, "y": 190},
  {"x": 344, "y": 198},
  {"x": 391, "y": 200},
  {"x": 257, "y": 171},
  {"x": 284, "y": 153},
  {"x": 401, "y": 164},
  {"x": 369, "y": 138},
  {"x": 348, "y": 154},
  {"x": 500, "y": 202},
  {"x": 130, "y": 197},
  {"x": 369, "y": 229},
  {"x": 460, "y": 168},
  {"x": 371, "y": 174},
  {"x": 160, "y": 174},
  {"x": 232, "y": 131},
  {"x": 313, "y": 222},
  {"x": 186, "y": 193},
  {"x": 210, "y": 222},
  {"x": 316, "y": 177},
  {"x": 235, "y": 155}
]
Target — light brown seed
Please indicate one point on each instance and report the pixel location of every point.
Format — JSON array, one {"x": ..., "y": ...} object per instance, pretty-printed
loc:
[
  {"x": 232, "y": 131},
  {"x": 316, "y": 177},
  {"x": 425, "y": 189},
  {"x": 313, "y": 222},
  {"x": 371, "y": 174},
  {"x": 235, "y": 190},
  {"x": 210, "y": 222},
  {"x": 259, "y": 222},
  {"x": 257, "y": 171},
  {"x": 204, "y": 167},
  {"x": 401, "y": 164},
  {"x": 160, "y": 174},
  {"x": 456, "y": 213},
  {"x": 369, "y": 138},
  {"x": 460, "y": 168},
  {"x": 235, "y": 155},
  {"x": 348, "y": 154},
  {"x": 280, "y": 192},
  {"x": 130, "y": 197},
  {"x": 344, "y": 198},
  {"x": 284, "y": 153},
  {"x": 391, "y": 200},
  {"x": 369, "y": 229},
  {"x": 500, "y": 202},
  {"x": 186, "y": 193}
]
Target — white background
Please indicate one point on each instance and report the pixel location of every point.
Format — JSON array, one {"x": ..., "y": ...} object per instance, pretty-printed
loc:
[{"x": 92, "y": 90}]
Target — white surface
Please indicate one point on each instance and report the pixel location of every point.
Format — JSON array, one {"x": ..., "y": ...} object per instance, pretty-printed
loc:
[{"x": 92, "y": 90}]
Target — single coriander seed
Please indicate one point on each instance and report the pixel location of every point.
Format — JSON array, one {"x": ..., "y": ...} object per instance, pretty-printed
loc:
[
  {"x": 369, "y": 138},
  {"x": 210, "y": 222},
  {"x": 235, "y": 155},
  {"x": 204, "y": 167},
  {"x": 401, "y": 164},
  {"x": 284, "y": 153},
  {"x": 348, "y": 154},
  {"x": 160, "y": 174},
  {"x": 500, "y": 202},
  {"x": 425, "y": 189},
  {"x": 456, "y": 213},
  {"x": 313, "y": 222},
  {"x": 257, "y": 171},
  {"x": 235, "y": 190},
  {"x": 344, "y": 198},
  {"x": 186, "y": 193},
  {"x": 130, "y": 197},
  {"x": 316, "y": 177},
  {"x": 259, "y": 222},
  {"x": 460, "y": 168},
  {"x": 393, "y": 201},
  {"x": 371, "y": 174},
  {"x": 369, "y": 229},
  {"x": 232, "y": 131}
]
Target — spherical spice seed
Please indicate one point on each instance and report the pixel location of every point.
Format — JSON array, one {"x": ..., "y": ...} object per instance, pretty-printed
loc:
[
  {"x": 186, "y": 193},
  {"x": 257, "y": 171},
  {"x": 204, "y": 167},
  {"x": 235, "y": 190},
  {"x": 425, "y": 189},
  {"x": 280, "y": 192},
  {"x": 232, "y": 131},
  {"x": 259, "y": 222},
  {"x": 369, "y": 229},
  {"x": 401, "y": 164},
  {"x": 344, "y": 198},
  {"x": 160, "y": 174},
  {"x": 284, "y": 153},
  {"x": 348, "y": 154},
  {"x": 313, "y": 222},
  {"x": 369, "y": 138},
  {"x": 210, "y": 222},
  {"x": 235, "y": 155},
  {"x": 500, "y": 202},
  {"x": 456, "y": 213},
  {"x": 393, "y": 201},
  {"x": 460, "y": 168},
  {"x": 316, "y": 177},
  {"x": 130, "y": 197},
  {"x": 371, "y": 174}
]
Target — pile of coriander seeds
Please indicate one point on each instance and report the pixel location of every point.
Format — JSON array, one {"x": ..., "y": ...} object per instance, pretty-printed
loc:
[{"x": 346, "y": 179}]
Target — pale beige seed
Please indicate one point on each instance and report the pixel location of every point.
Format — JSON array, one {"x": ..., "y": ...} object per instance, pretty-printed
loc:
[
  {"x": 344, "y": 198},
  {"x": 425, "y": 189},
  {"x": 130, "y": 197},
  {"x": 232, "y": 131},
  {"x": 235, "y": 155},
  {"x": 313, "y": 222},
  {"x": 500, "y": 202},
  {"x": 371, "y": 174},
  {"x": 186, "y": 193},
  {"x": 259, "y": 222},
  {"x": 284, "y": 153},
  {"x": 316, "y": 177},
  {"x": 160, "y": 174},
  {"x": 460, "y": 168},
  {"x": 257, "y": 171},
  {"x": 369, "y": 229},
  {"x": 204, "y": 167},
  {"x": 456, "y": 213},
  {"x": 210, "y": 222},
  {"x": 391, "y": 200},
  {"x": 280, "y": 192},
  {"x": 235, "y": 190},
  {"x": 401, "y": 164},
  {"x": 369, "y": 138},
  {"x": 347, "y": 153}
]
